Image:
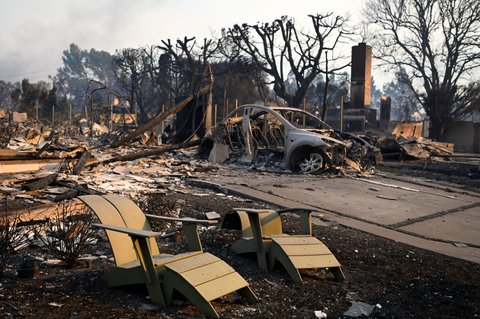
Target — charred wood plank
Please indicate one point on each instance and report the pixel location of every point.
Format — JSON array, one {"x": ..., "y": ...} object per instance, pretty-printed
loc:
[
  {"x": 71, "y": 193},
  {"x": 41, "y": 183},
  {"x": 78, "y": 168},
  {"x": 43, "y": 149}
]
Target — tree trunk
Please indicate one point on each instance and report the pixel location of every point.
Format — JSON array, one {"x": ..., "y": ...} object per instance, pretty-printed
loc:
[
  {"x": 437, "y": 129},
  {"x": 438, "y": 104}
]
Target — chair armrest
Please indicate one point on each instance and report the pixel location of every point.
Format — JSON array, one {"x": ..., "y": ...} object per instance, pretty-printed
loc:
[
  {"x": 186, "y": 220},
  {"x": 256, "y": 226},
  {"x": 250, "y": 210},
  {"x": 129, "y": 231},
  {"x": 190, "y": 227},
  {"x": 254, "y": 223},
  {"x": 141, "y": 244}
]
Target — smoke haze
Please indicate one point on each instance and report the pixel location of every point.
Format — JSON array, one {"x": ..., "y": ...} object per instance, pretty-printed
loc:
[{"x": 35, "y": 33}]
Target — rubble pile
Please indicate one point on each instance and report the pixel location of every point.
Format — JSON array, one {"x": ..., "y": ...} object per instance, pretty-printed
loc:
[
  {"x": 422, "y": 148},
  {"x": 406, "y": 143},
  {"x": 405, "y": 148},
  {"x": 133, "y": 178},
  {"x": 40, "y": 165},
  {"x": 410, "y": 139}
]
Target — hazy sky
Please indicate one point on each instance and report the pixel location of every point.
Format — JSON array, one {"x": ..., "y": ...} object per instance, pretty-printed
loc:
[{"x": 35, "y": 32}]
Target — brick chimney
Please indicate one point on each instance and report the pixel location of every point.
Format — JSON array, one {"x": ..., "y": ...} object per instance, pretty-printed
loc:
[{"x": 361, "y": 76}]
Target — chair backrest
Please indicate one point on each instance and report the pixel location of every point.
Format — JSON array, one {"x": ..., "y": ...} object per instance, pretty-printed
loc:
[
  {"x": 121, "y": 244},
  {"x": 270, "y": 220},
  {"x": 133, "y": 217}
]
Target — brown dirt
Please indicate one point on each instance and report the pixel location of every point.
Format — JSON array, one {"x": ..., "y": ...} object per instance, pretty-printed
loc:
[{"x": 405, "y": 281}]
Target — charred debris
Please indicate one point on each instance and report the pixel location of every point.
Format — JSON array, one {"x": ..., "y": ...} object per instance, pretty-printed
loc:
[{"x": 40, "y": 164}]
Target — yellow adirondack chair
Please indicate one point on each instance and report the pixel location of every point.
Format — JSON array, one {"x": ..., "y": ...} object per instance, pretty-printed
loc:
[
  {"x": 201, "y": 277},
  {"x": 262, "y": 234}
]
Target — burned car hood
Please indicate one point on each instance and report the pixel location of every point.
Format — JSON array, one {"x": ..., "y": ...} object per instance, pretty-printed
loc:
[{"x": 314, "y": 135}]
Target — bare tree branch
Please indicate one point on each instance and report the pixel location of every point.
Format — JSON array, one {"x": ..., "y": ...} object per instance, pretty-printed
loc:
[
  {"x": 436, "y": 42},
  {"x": 283, "y": 52}
]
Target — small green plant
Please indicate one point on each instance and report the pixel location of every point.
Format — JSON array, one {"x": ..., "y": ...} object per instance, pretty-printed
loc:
[
  {"x": 13, "y": 237},
  {"x": 68, "y": 233}
]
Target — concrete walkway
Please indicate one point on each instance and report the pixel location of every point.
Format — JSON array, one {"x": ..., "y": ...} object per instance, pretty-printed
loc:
[{"x": 419, "y": 213}]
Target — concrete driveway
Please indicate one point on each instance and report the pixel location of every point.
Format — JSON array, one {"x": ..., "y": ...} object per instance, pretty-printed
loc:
[{"x": 413, "y": 211}]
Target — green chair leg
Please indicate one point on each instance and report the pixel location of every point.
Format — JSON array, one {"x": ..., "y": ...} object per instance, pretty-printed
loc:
[
  {"x": 248, "y": 294},
  {"x": 175, "y": 282},
  {"x": 338, "y": 273},
  {"x": 152, "y": 280},
  {"x": 277, "y": 253}
]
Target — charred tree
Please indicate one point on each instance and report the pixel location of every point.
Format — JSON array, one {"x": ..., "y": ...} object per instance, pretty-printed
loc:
[
  {"x": 279, "y": 49},
  {"x": 436, "y": 43},
  {"x": 189, "y": 62}
]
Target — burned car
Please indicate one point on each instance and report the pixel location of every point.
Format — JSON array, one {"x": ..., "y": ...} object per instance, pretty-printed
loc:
[{"x": 292, "y": 138}]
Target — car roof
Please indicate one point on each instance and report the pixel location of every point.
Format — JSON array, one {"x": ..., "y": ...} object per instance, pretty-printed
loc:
[{"x": 266, "y": 107}]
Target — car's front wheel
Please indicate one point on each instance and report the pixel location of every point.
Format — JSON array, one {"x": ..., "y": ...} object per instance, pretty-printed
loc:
[{"x": 312, "y": 163}]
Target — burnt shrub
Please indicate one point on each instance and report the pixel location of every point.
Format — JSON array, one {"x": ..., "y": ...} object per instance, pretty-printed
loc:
[
  {"x": 13, "y": 237},
  {"x": 68, "y": 233},
  {"x": 158, "y": 204}
]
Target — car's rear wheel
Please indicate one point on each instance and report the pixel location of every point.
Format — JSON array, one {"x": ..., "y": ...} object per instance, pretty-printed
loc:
[{"x": 312, "y": 163}]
